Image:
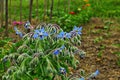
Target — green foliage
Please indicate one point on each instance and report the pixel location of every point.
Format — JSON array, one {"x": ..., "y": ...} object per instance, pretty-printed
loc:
[
  {"x": 1, "y": 30},
  {"x": 36, "y": 58},
  {"x": 5, "y": 46},
  {"x": 98, "y": 39},
  {"x": 99, "y": 54},
  {"x": 105, "y": 8},
  {"x": 84, "y": 10},
  {"x": 68, "y": 21}
]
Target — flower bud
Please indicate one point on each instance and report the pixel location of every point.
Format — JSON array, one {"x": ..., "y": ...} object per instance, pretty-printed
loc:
[
  {"x": 62, "y": 70},
  {"x": 4, "y": 60}
]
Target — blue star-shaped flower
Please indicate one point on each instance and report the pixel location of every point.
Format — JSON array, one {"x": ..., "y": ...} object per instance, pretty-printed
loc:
[
  {"x": 96, "y": 73},
  {"x": 57, "y": 51},
  {"x": 18, "y": 32},
  {"x": 63, "y": 35},
  {"x": 40, "y": 34},
  {"x": 77, "y": 29},
  {"x": 68, "y": 35}
]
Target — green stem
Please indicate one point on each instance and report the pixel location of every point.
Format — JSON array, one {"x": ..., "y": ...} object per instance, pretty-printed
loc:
[{"x": 29, "y": 76}]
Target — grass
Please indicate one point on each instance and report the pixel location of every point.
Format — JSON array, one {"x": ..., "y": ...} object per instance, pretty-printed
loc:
[
  {"x": 100, "y": 8},
  {"x": 106, "y": 8},
  {"x": 61, "y": 16}
]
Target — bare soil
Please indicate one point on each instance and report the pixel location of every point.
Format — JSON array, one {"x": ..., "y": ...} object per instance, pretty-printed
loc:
[{"x": 98, "y": 43}]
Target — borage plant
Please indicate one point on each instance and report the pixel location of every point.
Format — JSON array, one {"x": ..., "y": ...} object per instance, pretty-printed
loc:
[{"x": 45, "y": 54}]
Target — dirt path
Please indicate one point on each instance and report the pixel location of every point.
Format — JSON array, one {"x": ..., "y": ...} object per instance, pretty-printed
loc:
[{"x": 98, "y": 42}]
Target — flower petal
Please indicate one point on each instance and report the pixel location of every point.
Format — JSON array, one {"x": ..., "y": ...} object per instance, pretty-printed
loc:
[
  {"x": 79, "y": 32},
  {"x": 80, "y": 29},
  {"x": 56, "y": 52},
  {"x": 42, "y": 30},
  {"x": 21, "y": 35},
  {"x": 61, "y": 35},
  {"x": 75, "y": 28},
  {"x": 36, "y": 31},
  {"x": 35, "y": 35},
  {"x": 45, "y": 34},
  {"x": 68, "y": 35},
  {"x": 96, "y": 73}
]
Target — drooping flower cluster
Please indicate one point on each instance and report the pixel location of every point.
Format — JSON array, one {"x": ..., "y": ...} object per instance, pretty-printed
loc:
[
  {"x": 41, "y": 33},
  {"x": 76, "y": 31},
  {"x": 47, "y": 48},
  {"x": 63, "y": 35}
]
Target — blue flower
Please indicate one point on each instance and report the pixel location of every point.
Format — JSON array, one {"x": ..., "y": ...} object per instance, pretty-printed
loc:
[
  {"x": 57, "y": 51},
  {"x": 27, "y": 25},
  {"x": 40, "y": 34},
  {"x": 96, "y": 73},
  {"x": 73, "y": 33},
  {"x": 61, "y": 35},
  {"x": 77, "y": 29},
  {"x": 18, "y": 32},
  {"x": 82, "y": 78},
  {"x": 62, "y": 70},
  {"x": 64, "y": 35},
  {"x": 68, "y": 35},
  {"x": 93, "y": 75},
  {"x": 35, "y": 35}
]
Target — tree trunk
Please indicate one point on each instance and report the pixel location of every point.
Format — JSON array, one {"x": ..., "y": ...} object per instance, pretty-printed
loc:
[
  {"x": 30, "y": 10},
  {"x": 2, "y": 12},
  {"x": 37, "y": 5},
  {"x": 48, "y": 2},
  {"x": 45, "y": 7},
  {"x": 58, "y": 5},
  {"x": 10, "y": 11},
  {"x": 20, "y": 10},
  {"x": 51, "y": 9},
  {"x": 65, "y": 6},
  {"x": 69, "y": 1},
  {"x": 6, "y": 18}
]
